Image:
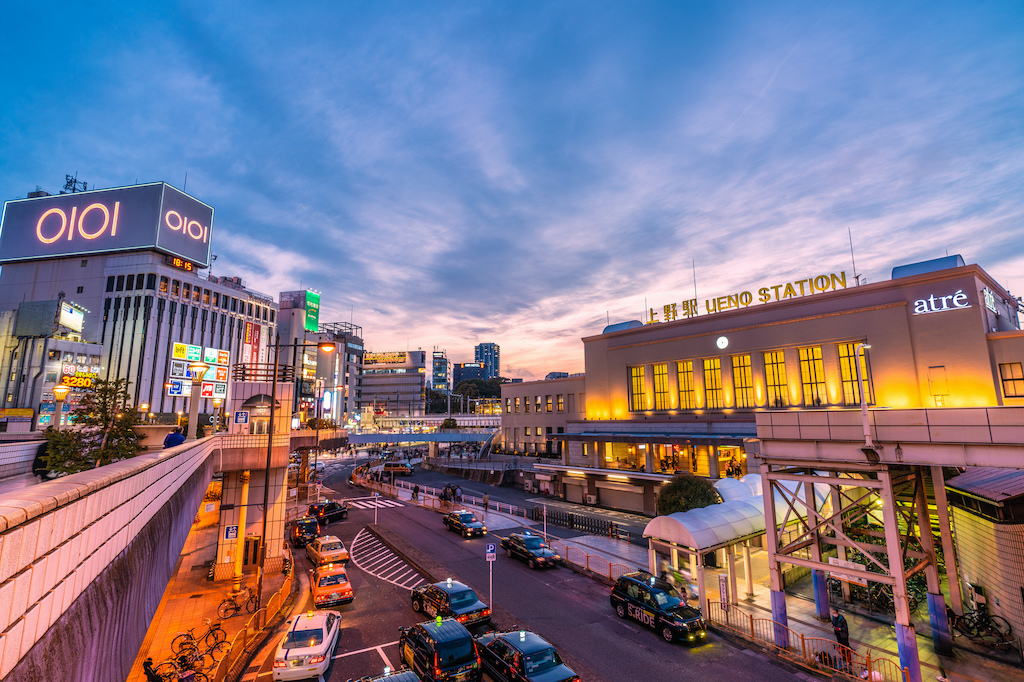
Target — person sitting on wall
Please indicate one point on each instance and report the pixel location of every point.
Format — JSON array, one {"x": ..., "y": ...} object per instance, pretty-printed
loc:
[{"x": 175, "y": 437}]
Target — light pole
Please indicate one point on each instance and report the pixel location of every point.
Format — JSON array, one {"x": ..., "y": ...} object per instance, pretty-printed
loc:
[
  {"x": 216, "y": 414},
  {"x": 144, "y": 409},
  {"x": 60, "y": 392},
  {"x": 858, "y": 353},
  {"x": 196, "y": 370},
  {"x": 327, "y": 348}
]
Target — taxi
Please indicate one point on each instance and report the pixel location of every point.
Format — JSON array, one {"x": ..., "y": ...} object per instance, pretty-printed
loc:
[
  {"x": 327, "y": 549},
  {"x": 532, "y": 549},
  {"x": 450, "y": 599},
  {"x": 522, "y": 656},
  {"x": 465, "y": 523},
  {"x": 441, "y": 650},
  {"x": 308, "y": 644},
  {"x": 656, "y": 604},
  {"x": 303, "y": 531},
  {"x": 329, "y": 585},
  {"x": 403, "y": 675}
]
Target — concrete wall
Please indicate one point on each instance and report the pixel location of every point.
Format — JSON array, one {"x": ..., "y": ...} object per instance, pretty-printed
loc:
[
  {"x": 992, "y": 555},
  {"x": 16, "y": 458},
  {"x": 84, "y": 561}
]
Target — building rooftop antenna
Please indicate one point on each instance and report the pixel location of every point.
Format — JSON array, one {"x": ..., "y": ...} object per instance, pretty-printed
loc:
[
  {"x": 72, "y": 185},
  {"x": 854, "y": 260}
]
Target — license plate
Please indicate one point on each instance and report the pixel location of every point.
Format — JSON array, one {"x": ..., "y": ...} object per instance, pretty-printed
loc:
[{"x": 296, "y": 663}]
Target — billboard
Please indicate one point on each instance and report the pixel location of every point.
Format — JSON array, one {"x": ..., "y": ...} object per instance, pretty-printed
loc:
[
  {"x": 154, "y": 216},
  {"x": 215, "y": 379},
  {"x": 71, "y": 317},
  {"x": 312, "y": 311}
]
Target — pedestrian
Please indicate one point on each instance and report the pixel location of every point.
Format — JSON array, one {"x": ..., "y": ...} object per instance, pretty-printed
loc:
[
  {"x": 416, "y": 491},
  {"x": 458, "y": 494},
  {"x": 841, "y": 628},
  {"x": 175, "y": 437},
  {"x": 147, "y": 668}
]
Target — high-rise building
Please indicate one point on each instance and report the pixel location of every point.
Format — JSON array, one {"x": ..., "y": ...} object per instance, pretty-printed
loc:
[
  {"x": 488, "y": 354},
  {"x": 464, "y": 371},
  {"x": 440, "y": 371},
  {"x": 395, "y": 382}
]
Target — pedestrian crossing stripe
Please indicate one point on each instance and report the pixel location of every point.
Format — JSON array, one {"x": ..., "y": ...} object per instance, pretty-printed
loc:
[{"x": 380, "y": 504}]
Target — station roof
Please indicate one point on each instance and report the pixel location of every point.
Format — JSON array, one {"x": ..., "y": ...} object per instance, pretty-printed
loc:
[
  {"x": 989, "y": 483},
  {"x": 664, "y": 438}
]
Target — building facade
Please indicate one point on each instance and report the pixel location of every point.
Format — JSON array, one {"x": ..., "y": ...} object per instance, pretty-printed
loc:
[
  {"x": 440, "y": 371},
  {"x": 465, "y": 371},
  {"x": 489, "y": 355},
  {"x": 394, "y": 383}
]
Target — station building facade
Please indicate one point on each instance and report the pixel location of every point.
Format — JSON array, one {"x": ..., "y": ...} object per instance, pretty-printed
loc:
[{"x": 683, "y": 395}]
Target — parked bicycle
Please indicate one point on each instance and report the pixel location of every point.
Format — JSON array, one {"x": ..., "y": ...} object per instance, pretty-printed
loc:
[
  {"x": 214, "y": 634},
  {"x": 195, "y": 656},
  {"x": 245, "y": 599},
  {"x": 180, "y": 670},
  {"x": 981, "y": 626}
]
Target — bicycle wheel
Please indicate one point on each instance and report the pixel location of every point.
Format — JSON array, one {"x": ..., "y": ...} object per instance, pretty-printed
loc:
[
  {"x": 182, "y": 640},
  {"x": 215, "y": 635},
  {"x": 168, "y": 670},
  {"x": 227, "y": 609},
  {"x": 200, "y": 676},
  {"x": 219, "y": 650},
  {"x": 995, "y": 627},
  {"x": 250, "y": 604}
]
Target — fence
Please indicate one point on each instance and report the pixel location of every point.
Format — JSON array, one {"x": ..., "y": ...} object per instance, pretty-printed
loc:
[
  {"x": 594, "y": 563},
  {"x": 816, "y": 652},
  {"x": 587, "y": 524},
  {"x": 253, "y": 628}
]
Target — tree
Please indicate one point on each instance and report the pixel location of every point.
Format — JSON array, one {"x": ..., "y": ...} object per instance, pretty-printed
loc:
[
  {"x": 324, "y": 424},
  {"x": 449, "y": 423},
  {"x": 103, "y": 430},
  {"x": 686, "y": 492}
]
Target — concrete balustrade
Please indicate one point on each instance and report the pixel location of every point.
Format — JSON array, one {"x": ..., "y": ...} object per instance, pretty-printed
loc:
[
  {"x": 16, "y": 458},
  {"x": 85, "y": 558}
]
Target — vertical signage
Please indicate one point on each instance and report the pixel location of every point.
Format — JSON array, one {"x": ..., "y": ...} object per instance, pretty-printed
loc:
[{"x": 312, "y": 311}]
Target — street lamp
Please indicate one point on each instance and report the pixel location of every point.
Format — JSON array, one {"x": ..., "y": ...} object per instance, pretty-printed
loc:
[
  {"x": 60, "y": 392},
  {"x": 144, "y": 408},
  {"x": 326, "y": 347},
  {"x": 869, "y": 447},
  {"x": 196, "y": 370},
  {"x": 216, "y": 414}
]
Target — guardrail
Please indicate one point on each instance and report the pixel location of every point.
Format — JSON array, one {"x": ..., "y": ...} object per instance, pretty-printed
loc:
[
  {"x": 816, "y": 652},
  {"x": 594, "y": 563},
  {"x": 254, "y": 627}
]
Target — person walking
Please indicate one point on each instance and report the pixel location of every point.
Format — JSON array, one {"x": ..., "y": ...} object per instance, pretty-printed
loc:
[
  {"x": 416, "y": 491},
  {"x": 151, "y": 675},
  {"x": 841, "y": 628}
]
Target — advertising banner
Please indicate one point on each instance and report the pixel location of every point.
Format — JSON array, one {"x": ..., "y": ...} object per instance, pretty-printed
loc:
[
  {"x": 153, "y": 216},
  {"x": 312, "y": 311},
  {"x": 71, "y": 317}
]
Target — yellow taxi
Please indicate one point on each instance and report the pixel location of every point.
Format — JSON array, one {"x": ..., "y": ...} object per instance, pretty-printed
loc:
[
  {"x": 327, "y": 549},
  {"x": 329, "y": 585}
]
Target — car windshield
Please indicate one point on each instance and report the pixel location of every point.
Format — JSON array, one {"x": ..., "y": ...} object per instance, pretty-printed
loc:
[
  {"x": 666, "y": 596},
  {"x": 308, "y": 526},
  {"x": 454, "y": 653},
  {"x": 467, "y": 518},
  {"x": 298, "y": 639},
  {"x": 541, "y": 661},
  {"x": 336, "y": 579},
  {"x": 534, "y": 542},
  {"x": 465, "y": 598},
  {"x": 331, "y": 547}
]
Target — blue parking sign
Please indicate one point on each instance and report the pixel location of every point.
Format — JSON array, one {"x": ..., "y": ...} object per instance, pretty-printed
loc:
[
  {"x": 241, "y": 417},
  {"x": 490, "y": 548}
]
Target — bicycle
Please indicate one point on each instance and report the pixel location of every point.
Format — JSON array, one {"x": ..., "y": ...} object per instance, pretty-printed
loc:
[
  {"x": 173, "y": 671},
  {"x": 214, "y": 634},
  {"x": 982, "y": 625},
  {"x": 230, "y": 606}
]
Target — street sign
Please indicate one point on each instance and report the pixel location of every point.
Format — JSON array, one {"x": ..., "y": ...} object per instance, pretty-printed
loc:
[
  {"x": 491, "y": 554},
  {"x": 855, "y": 573},
  {"x": 723, "y": 590},
  {"x": 231, "y": 533},
  {"x": 241, "y": 417}
]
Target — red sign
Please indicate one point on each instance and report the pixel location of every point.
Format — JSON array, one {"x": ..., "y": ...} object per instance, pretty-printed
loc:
[{"x": 207, "y": 389}]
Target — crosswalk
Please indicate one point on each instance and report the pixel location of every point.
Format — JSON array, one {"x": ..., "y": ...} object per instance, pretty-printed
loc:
[
  {"x": 374, "y": 502},
  {"x": 372, "y": 556}
]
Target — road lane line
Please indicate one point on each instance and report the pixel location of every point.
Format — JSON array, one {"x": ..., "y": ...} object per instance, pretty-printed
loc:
[{"x": 363, "y": 651}]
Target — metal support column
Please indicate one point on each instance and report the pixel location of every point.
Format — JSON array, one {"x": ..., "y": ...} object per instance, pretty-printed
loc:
[
  {"x": 948, "y": 551},
  {"x": 941, "y": 637},
  {"x": 730, "y": 558},
  {"x": 747, "y": 570},
  {"x": 243, "y": 505},
  {"x": 778, "y": 596},
  {"x": 837, "y": 503},
  {"x": 906, "y": 637},
  {"x": 819, "y": 580}
]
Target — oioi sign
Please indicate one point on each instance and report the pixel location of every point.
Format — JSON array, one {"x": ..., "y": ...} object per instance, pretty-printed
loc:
[{"x": 154, "y": 216}]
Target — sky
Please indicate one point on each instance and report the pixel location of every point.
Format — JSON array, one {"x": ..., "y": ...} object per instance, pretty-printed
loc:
[{"x": 451, "y": 173}]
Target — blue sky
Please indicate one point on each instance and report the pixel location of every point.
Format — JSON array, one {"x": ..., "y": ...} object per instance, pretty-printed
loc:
[{"x": 453, "y": 173}]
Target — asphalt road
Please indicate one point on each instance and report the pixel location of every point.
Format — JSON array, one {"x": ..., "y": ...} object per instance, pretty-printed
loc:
[{"x": 566, "y": 608}]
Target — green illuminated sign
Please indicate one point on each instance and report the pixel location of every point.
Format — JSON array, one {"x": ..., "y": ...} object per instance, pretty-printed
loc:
[{"x": 312, "y": 311}]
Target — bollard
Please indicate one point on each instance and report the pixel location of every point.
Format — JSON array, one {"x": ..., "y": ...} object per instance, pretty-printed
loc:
[{"x": 751, "y": 617}]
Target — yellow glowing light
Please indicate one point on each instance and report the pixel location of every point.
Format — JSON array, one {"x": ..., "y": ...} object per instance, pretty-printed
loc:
[{"x": 617, "y": 477}]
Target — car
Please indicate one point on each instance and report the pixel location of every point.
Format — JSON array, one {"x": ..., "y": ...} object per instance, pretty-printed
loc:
[
  {"x": 522, "y": 656},
  {"x": 655, "y": 603},
  {"x": 451, "y": 599},
  {"x": 464, "y": 522},
  {"x": 303, "y": 531},
  {"x": 440, "y": 650},
  {"x": 403, "y": 675},
  {"x": 532, "y": 549},
  {"x": 329, "y": 585},
  {"x": 327, "y": 549},
  {"x": 329, "y": 511},
  {"x": 307, "y": 647},
  {"x": 399, "y": 468}
]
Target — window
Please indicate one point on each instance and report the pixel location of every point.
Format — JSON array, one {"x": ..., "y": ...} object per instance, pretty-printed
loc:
[
  {"x": 742, "y": 381},
  {"x": 51, "y": 377},
  {"x": 164, "y": 285},
  {"x": 661, "y": 386},
  {"x": 216, "y": 300},
  {"x": 775, "y": 378},
  {"x": 197, "y": 294},
  {"x": 79, "y": 290},
  {"x": 139, "y": 281},
  {"x": 120, "y": 283},
  {"x": 206, "y": 297},
  {"x": 110, "y": 283},
  {"x": 1012, "y": 375},
  {"x": 175, "y": 287},
  {"x": 848, "y": 369},
  {"x": 250, "y": 310},
  {"x": 272, "y": 316},
  {"x": 526, "y": 404},
  {"x": 186, "y": 291},
  {"x": 84, "y": 263},
  {"x": 129, "y": 283},
  {"x": 508, "y": 405},
  {"x": 539, "y": 432},
  {"x": 636, "y": 389},
  {"x": 687, "y": 398},
  {"x": 812, "y": 376},
  {"x": 713, "y": 383},
  {"x": 151, "y": 281},
  {"x": 538, "y": 403},
  {"x": 560, "y": 402},
  {"x": 517, "y": 405},
  {"x": 547, "y": 403},
  {"x": 234, "y": 305}
]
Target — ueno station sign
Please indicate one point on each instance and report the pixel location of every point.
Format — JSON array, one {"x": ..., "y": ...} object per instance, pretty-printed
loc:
[{"x": 153, "y": 216}]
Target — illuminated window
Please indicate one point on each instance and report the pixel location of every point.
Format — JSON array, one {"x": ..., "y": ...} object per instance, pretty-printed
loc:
[
  {"x": 508, "y": 405},
  {"x": 812, "y": 376},
  {"x": 661, "y": 387},
  {"x": 206, "y": 297},
  {"x": 538, "y": 405},
  {"x": 1012, "y": 375},
  {"x": 175, "y": 287},
  {"x": 687, "y": 398},
  {"x": 165, "y": 285},
  {"x": 636, "y": 388},
  {"x": 775, "y": 378},
  {"x": 526, "y": 404},
  {"x": 742, "y": 381},
  {"x": 517, "y": 405},
  {"x": 539, "y": 432},
  {"x": 197, "y": 294},
  {"x": 216, "y": 300},
  {"x": 851, "y": 391},
  {"x": 547, "y": 403},
  {"x": 186, "y": 291},
  {"x": 713, "y": 384},
  {"x": 560, "y": 402}
]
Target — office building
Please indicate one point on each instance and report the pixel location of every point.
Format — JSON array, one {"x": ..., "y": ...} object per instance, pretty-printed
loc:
[
  {"x": 440, "y": 371},
  {"x": 394, "y": 383},
  {"x": 464, "y": 371},
  {"x": 489, "y": 355}
]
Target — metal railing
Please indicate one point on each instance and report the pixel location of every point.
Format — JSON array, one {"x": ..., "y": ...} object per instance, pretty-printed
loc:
[
  {"x": 594, "y": 563},
  {"x": 816, "y": 652}
]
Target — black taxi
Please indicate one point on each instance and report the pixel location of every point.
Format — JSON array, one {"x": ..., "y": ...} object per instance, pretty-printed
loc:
[
  {"x": 403, "y": 675},
  {"x": 441, "y": 650},
  {"x": 328, "y": 511},
  {"x": 522, "y": 656},
  {"x": 655, "y": 603},
  {"x": 465, "y": 523},
  {"x": 304, "y": 531},
  {"x": 450, "y": 599},
  {"x": 532, "y": 549}
]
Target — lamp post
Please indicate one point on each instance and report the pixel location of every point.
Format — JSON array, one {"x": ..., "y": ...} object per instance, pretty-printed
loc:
[
  {"x": 858, "y": 353},
  {"x": 216, "y": 414},
  {"x": 196, "y": 370},
  {"x": 60, "y": 392},
  {"x": 327, "y": 348},
  {"x": 143, "y": 408}
]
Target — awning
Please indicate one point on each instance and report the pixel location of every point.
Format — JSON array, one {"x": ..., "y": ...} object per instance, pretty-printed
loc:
[{"x": 658, "y": 438}]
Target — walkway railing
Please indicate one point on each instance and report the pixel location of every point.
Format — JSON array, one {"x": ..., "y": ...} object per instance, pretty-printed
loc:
[
  {"x": 817, "y": 652},
  {"x": 253, "y": 628},
  {"x": 594, "y": 563}
]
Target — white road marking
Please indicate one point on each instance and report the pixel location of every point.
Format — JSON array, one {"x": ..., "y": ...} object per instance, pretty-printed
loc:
[
  {"x": 369, "y": 648},
  {"x": 382, "y": 566}
]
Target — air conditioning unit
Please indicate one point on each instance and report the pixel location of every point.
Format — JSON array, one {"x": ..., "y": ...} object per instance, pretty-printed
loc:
[
  {"x": 591, "y": 499},
  {"x": 528, "y": 486}
]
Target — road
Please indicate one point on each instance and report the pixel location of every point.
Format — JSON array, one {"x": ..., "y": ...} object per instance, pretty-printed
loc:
[{"x": 568, "y": 609}]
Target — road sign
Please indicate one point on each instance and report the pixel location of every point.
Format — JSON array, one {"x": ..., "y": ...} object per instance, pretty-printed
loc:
[
  {"x": 491, "y": 554},
  {"x": 241, "y": 417},
  {"x": 723, "y": 590},
  {"x": 854, "y": 574},
  {"x": 231, "y": 533}
]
